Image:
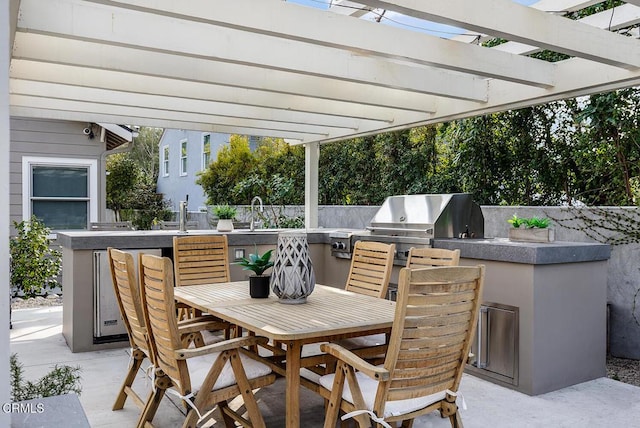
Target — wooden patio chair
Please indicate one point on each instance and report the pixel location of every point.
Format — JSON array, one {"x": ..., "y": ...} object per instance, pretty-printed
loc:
[
  {"x": 200, "y": 259},
  {"x": 127, "y": 292},
  {"x": 427, "y": 256},
  {"x": 371, "y": 266},
  {"x": 435, "y": 320},
  {"x": 369, "y": 274},
  {"x": 203, "y": 377}
]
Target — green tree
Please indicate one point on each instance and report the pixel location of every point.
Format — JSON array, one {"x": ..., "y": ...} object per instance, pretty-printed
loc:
[
  {"x": 147, "y": 205},
  {"x": 131, "y": 182},
  {"x": 122, "y": 180},
  {"x": 348, "y": 173},
  {"x": 233, "y": 164},
  {"x": 608, "y": 149},
  {"x": 145, "y": 153}
]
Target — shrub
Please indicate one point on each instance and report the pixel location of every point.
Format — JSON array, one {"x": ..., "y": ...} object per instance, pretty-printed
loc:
[
  {"x": 35, "y": 266},
  {"x": 61, "y": 380}
]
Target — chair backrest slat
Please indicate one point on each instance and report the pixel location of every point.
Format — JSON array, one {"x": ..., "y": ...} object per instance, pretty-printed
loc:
[
  {"x": 156, "y": 275},
  {"x": 427, "y": 256},
  {"x": 127, "y": 292},
  {"x": 371, "y": 266},
  {"x": 201, "y": 259},
  {"x": 435, "y": 320}
]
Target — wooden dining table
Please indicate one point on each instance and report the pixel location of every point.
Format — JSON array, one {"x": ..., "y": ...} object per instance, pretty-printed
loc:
[{"x": 329, "y": 314}]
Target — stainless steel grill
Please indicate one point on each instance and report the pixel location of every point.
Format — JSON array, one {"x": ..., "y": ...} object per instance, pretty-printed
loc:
[{"x": 414, "y": 221}]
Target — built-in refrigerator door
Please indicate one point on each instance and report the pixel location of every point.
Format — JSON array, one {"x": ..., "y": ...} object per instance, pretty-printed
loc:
[
  {"x": 107, "y": 324},
  {"x": 495, "y": 348}
]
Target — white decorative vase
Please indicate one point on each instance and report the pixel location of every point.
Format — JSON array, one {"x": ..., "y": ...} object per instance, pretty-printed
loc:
[
  {"x": 225, "y": 225},
  {"x": 292, "y": 278}
]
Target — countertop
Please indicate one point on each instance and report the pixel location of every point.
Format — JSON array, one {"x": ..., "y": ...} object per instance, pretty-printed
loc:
[
  {"x": 502, "y": 249},
  {"x": 497, "y": 249}
]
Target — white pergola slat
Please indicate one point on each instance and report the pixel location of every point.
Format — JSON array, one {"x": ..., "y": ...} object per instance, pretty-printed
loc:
[
  {"x": 362, "y": 37},
  {"x": 273, "y": 68},
  {"x": 195, "y": 39},
  {"x": 612, "y": 20},
  {"x": 512, "y": 21}
]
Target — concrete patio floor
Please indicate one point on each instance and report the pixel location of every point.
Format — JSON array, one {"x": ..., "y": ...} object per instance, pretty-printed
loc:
[{"x": 37, "y": 339}]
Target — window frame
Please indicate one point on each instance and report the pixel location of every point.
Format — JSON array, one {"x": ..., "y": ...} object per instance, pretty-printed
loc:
[
  {"x": 184, "y": 156},
  {"x": 28, "y": 162},
  {"x": 205, "y": 163},
  {"x": 165, "y": 160}
]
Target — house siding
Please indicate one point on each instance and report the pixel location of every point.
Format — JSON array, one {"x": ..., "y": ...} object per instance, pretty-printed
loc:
[
  {"x": 49, "y": 138},
  {"x": 175, "y": 187}
]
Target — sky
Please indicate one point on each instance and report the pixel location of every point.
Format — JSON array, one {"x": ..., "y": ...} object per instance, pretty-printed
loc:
[{"x": 401, "y": 21}]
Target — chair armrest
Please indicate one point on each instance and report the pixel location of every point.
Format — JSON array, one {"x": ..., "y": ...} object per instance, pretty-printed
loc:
[
  {"x": 238, "y": 342},
  {"x": 374, "y": 372}
]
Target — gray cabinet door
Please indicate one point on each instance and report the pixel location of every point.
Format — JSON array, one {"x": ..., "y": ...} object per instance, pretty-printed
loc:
[{"x": 495, "y": 348}]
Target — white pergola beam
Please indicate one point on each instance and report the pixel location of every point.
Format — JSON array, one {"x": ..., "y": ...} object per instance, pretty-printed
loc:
[
  {"x": 273, "y": 129},
  {"x": 318, "y": 27},
  {"x": 83, "y": 116},
  {"x": 563, "y": 6},
  {"x": 103, "y": 96},
  {"x": 38, "y": 47},
  {"x": 200, "y": 40},
  {"x": 613, "y": 19},
  {"x": 512, "y": 21},
  {"x": 579, "y": 77},
  {"x": 137, "y": 83}
]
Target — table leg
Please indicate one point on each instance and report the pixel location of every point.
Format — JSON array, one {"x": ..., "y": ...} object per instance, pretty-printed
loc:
[{"x": 293, "y": 384}]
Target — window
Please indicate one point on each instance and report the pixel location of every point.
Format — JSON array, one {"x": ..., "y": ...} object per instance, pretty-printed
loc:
[
  {"x": 165, "y": 161},
  {"x": 183, "y": 157},
  {"x": 60, "y": 192},
  {"x": 206, "y": 150}
]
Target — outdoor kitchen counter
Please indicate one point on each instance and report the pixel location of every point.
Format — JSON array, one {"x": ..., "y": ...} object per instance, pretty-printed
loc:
[
  {"x": 559, "y": 292},
  {"x": 94, "y": 240},
  {"x": 504, "y": 250}
]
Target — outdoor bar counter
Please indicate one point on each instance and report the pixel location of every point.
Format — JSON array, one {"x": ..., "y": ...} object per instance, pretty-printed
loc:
[{"x": 559, "y": 288}]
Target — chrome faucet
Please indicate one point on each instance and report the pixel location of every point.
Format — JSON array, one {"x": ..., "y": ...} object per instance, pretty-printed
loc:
[
  {"x": 253, "y": 201},
  {"x": 183, "y": 215}
]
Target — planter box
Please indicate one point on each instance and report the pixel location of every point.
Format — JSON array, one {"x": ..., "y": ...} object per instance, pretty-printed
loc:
[{"x": 531, "y": 235}]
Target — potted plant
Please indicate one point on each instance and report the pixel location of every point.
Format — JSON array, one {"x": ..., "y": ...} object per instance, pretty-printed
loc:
[
  {"x": 533, "y": 229},
  {"x": 258, "y": 283},
  {"x": 225, "y": 214}
]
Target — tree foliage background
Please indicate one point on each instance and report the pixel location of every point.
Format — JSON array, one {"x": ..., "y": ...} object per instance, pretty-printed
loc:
[
  {"x": 131, "y": 182},
  {"x": 577, "y": 151}
]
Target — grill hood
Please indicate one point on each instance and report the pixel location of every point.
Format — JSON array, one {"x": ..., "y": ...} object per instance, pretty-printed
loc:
[{"x": 450, "y": 215}]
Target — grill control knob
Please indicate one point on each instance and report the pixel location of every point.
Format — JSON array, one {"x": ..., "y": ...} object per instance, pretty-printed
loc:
[{"x": 338, "y": 246}]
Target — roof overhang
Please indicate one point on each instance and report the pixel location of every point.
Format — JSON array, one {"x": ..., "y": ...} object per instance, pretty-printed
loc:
[{"x": 272, "y": 68}]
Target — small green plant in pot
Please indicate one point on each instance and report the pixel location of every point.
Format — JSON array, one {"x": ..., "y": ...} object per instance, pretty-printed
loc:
[
  {"x": 225, "y": 214},
  {"x": 533, "y": 229},
  {"x": 258, "y": 264}
]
